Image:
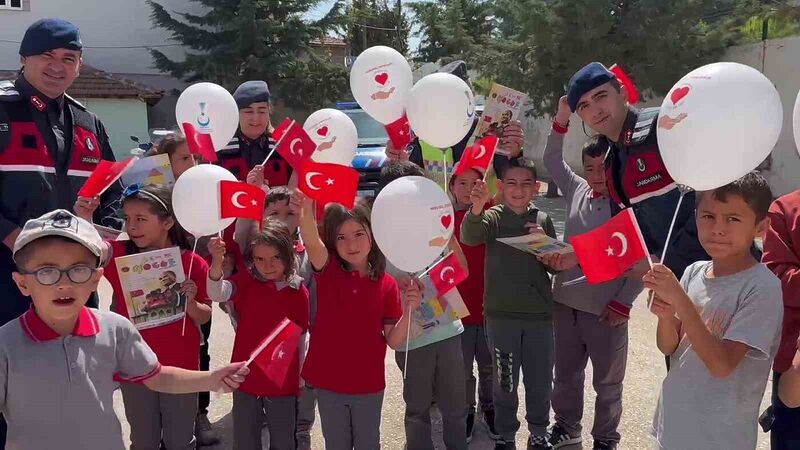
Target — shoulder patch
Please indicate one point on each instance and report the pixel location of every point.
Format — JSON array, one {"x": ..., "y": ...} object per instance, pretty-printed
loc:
[
  {"x": 645, "y": 124},
  {"x": 8, "y": 92}
]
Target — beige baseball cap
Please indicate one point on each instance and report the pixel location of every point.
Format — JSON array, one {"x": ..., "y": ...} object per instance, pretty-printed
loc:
[{"x": 65, "y": 224}]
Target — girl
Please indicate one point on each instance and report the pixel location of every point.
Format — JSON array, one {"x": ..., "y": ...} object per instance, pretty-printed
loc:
[
  {"x": 150, "y": 224},
  {"x": 358, "y": 314},
  {"x": 473, "y": 341},
  {"x": 264, "y": 294},
  {"x": 180, "y": 158}
]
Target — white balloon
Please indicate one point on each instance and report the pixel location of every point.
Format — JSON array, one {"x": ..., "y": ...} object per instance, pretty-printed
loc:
[
  {"x": 380, "y": 80},
  {"x": 412, "y": 222},
  {"x": 718, "y": 123},
  {"x": 196, "y": 200},
  {"x": 441, "y": 109},
  {"x": 211, "y": 109},
  {"x": 335, "y": 135}
]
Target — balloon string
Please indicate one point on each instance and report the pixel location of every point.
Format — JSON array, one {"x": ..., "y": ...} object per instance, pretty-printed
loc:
[
  {"x": 444, "y": 160},
  {"x": 188, "y": 275},
  {"x": 666, "y": 243}
]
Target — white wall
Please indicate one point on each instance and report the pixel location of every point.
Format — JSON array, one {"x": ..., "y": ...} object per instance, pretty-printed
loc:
[
  {"x": 107, "y": 23},
  {"x": 782, "y": 67},
  {"x": 122, "y": 118}
]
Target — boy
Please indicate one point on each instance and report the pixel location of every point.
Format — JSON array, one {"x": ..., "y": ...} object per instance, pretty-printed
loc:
[
  {"x": 59, "y": 361},
  {"x": 782, "y": 257},
  {"x": 720, "y": 325},
  {"x": 590, "y": 320},
  {"x": 518, "y": 302},
  {"x": 435, "y": 359}
]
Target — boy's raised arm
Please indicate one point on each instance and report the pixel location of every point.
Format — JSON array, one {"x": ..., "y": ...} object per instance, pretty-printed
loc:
[
  {"x": 174, "y": 380},
  {"x": 476, "y": 227}
]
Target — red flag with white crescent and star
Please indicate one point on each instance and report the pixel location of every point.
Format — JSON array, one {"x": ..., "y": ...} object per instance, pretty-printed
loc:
[
  {"x": 241, "y": 200},
  {"x": 447, "y": 274},
  {"x": 609, "y": 250},
  {"x": 479, "y": 156},
  {"x": 399, "y": 132},
  {"x": 293, "y": 143},
  {"x": 328, "y": 183},
  {"x": 104, "y": 175},
  {"x": 199, "y": 143},
  {"x": 278, "y": 354}
]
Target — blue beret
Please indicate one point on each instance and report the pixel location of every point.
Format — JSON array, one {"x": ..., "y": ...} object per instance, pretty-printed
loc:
[
  {"x": 589, "y": 77},
  {"x": 250, "y": 92},
  {"x": 49, "y": 34}
]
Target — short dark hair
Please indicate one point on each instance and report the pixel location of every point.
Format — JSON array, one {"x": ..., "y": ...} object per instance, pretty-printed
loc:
[
  {"x": 522, "y": 163},
  {"x": 596, "y": 146},
  {"x": 275, "y": 234},
  {"x": 398, "y": 169},
  {"x": 336, "y": 215},
  {"x": 278, "y": 194},
  {"x": 616, "y": 84},
  {"x": 24, "y": 255},
  {"x": 752, "y": 188}
]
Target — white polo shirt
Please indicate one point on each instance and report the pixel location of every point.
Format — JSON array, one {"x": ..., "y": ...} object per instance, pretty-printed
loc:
[{"x": 56, "y": 391}]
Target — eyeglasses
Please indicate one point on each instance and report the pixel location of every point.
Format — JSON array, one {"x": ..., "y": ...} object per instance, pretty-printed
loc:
[{"x": 48, "y": 276}]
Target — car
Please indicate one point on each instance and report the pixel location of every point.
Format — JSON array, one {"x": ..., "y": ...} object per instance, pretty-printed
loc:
[{"x": 371, "y": 152}]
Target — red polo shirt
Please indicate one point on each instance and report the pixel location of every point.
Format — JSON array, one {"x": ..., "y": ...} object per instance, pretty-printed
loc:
[
  {"x": 166, "y": 341},
  {"x": 471, "y": 289},
  {"x": 347, "y": 347},
  {"x": 261, "y": 306}
]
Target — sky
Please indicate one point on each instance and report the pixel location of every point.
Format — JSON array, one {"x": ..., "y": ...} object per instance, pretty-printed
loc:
[{"x": 325, "y": 6}]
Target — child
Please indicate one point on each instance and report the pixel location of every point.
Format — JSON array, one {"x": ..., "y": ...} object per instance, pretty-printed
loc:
[
  {"x": 590, "y": 320},
  {"x": 473, "y": 340},
  {"x": 782, "y": 257},
  {"x": 720, "y": 325},
  {"x": 435, "y": 358},
  {"x": 265, "y": 294},
  {"x": 180, "y": 158},
  {"x": 518, "y": 303},
  {"x": 58, "y": 362},
  {"x": 150, "y": 224},
  {"x": 358, "y": 314}
]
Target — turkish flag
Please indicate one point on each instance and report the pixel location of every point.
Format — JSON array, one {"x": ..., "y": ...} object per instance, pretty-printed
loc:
[
  {"x": 479, "y": 156},
  {"x": 446, "y": 274},
  {"x": 609, "y": 250},
  {"x": 278, "y": 132},
  {"x": 399, "y": 132},
  {"x": 294, "y": 144},
  {"x": 241, "y": 200},
  {"x": 625, "y": 80},
  {"x": 199, "y": 143},
  {"x": 278, "y": 353},
  {"x": 328, "y": 183},
  {"x": 104, "y": 175}
]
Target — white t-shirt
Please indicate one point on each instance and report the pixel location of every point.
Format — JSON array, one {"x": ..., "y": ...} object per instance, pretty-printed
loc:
[{"x": 697, "y": 411}]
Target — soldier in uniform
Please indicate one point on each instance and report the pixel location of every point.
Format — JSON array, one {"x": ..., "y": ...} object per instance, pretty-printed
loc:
[
  {"x": 635, "y": 173},
  {"x": 49, "y": 145}
]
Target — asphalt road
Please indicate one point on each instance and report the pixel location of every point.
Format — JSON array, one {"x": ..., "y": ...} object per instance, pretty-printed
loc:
[{"x": 644, "y": 375}]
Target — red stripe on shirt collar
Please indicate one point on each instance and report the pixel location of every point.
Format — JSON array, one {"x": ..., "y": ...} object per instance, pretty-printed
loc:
[{"x": 36, "y": 328}]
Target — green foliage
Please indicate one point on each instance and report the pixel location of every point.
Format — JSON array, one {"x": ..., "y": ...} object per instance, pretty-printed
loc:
[
  {"x": 376, "y": 22},
  {"x": 239, "y": 40}
]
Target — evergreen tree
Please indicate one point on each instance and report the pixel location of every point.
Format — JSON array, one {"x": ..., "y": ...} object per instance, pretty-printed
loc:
[
  {"x": 239, "y": 40},
  {"x": 376, "y": 22},
  {"x": 453, "y": 29}
]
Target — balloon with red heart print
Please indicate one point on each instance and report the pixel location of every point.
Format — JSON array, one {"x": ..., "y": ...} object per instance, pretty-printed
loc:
[
  {"x": 381, "y": 80},
  {"x": 335, "y": 135},
  {"x": 718, "y": 123},
  {"x": 412, "y": 221}
]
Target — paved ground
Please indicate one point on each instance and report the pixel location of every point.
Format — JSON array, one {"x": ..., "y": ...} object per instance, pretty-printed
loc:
[{"x": 644, "y": 375}]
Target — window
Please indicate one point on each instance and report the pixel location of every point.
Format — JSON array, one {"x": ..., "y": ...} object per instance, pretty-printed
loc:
[{"x": 11, "y": 4}]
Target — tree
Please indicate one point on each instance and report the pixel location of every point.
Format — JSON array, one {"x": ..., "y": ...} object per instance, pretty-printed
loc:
[
  {"x": 238, "y": 40},
  {"x": 376, "y": 22},
  {"x": 453, "y": 29},
  {"x": 543, "y": 42}
]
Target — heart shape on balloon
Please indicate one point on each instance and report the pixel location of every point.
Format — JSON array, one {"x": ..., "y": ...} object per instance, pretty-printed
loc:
[
  {"x": 322, "y": 131},
  {"x": 382, "y": 78},
  {"x": 446, "y": 219},
  {"x": 678, "y": 94}
]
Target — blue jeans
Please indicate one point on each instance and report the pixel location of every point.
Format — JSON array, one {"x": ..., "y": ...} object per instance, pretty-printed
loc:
[{"x": 785, "y": 432}]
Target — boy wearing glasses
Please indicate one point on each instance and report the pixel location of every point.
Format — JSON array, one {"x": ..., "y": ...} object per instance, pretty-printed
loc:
[{"x": 60, "y": 362}]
